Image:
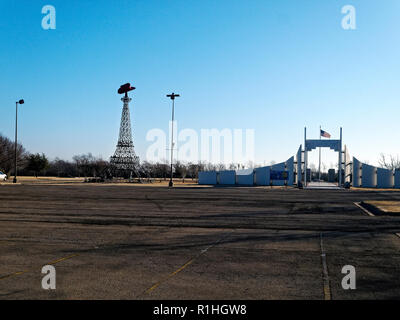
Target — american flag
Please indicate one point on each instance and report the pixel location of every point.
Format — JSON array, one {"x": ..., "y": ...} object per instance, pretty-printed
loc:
[{"x": 325, "y": 134}]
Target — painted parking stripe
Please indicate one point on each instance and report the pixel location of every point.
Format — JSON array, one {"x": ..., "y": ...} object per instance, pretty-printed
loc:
[
  {"x": 325, "y": 274},
  {"x": 364, "y": 210},
  {"x": 157, "y": 284},
  {"x": 49, "y": 263}
]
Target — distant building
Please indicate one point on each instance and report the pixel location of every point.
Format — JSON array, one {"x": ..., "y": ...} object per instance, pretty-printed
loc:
[
  {"x": 331, "y": 175},
  {"x": 309, "y": 175}
]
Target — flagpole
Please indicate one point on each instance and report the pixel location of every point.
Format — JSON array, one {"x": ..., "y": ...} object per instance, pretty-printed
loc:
[{"x": 319, "y": 168}]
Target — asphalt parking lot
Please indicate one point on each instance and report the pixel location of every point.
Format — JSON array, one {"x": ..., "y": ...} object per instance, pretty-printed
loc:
[{"x": 141, "y": 242}]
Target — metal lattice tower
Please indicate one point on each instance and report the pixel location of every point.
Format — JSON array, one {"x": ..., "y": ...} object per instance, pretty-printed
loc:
[{"x": 124, "y": 158}]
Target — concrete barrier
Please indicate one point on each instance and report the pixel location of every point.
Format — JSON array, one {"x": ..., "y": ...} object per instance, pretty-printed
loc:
[
  {"x": 227, "y": 177},
  {"x": 368, "y": 176},
  {"x": 385, "y": 178},
  {"x": 245, "y": 177},
  {"x": 397, "y": 179},
  {"x": 290, "y": 169},
  {"x": 262, "y": 176},
  {"x": 278, "y": 167},
  {"x": 299, "y": 160},
  {"x": 356, "y": 173},
  {"x": 208, "y": 177}
]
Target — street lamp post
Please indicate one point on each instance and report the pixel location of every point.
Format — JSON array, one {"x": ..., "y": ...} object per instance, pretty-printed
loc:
[
  {"x": 172, "y": 96},
  {"x": 16, "y": 135}
]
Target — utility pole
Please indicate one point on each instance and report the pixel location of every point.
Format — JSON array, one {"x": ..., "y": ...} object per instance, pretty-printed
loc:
[
  {"x": 340, "y": 160},
  {"x": 319, "y": 167},
  {"x": 172, "y": 96},
  {"x": 305, "y": 157},
  {"x": 16, "y": 137}
]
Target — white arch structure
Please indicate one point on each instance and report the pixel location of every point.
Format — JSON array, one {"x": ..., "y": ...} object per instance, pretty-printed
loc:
[
  {"x": 312, "y": 144},
  {"x": 294, "y": 170}
]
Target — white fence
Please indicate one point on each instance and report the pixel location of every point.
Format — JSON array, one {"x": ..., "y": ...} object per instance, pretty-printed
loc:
[
  {"x": 207, "y": 177},
  {"x": 362, "y": 175},
  {"x": 276, "y": 175},
  {"x": 367, "y": 176}
]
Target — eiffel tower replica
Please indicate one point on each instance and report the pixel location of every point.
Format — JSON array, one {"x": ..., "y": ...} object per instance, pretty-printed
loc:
[{"x": 124, "y": 162}]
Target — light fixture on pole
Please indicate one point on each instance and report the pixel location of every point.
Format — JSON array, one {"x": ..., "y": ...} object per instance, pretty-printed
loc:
[
  {"x": 172, "y": 96},
  {"x": 16, "y": 136}
]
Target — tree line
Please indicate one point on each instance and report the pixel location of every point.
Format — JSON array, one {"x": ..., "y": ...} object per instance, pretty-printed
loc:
[
  {"x": 84, "y": 165},
  {"x": 87, "y": 165}
]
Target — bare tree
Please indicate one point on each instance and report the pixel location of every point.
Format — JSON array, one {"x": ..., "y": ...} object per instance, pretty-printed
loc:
[
  {"x": 7, "y": 154},
  {"x": 233, "y": 166},
  {"x": 210, "y": 167},
  {"x": 37, "y": 163},
  {"x": 62, "y": 168},
  {"x": 250, "y": 164},
  {"x": 193, "y": 169},
  {"x": 390, "y": 162},
  {"x": 90, "y": 166},
  {"x": 148, "y": 169},
  {"x": 181, "y": 170},
  {"x": 221, "y": 167}
]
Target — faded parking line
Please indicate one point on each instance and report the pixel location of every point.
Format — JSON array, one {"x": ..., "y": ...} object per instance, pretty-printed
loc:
[
  {"x": 157, "y": 284},
  {"x": 325, "y": 274},
  {"x": 358, "y": 204},
  {"x": 49, "y": 263}
]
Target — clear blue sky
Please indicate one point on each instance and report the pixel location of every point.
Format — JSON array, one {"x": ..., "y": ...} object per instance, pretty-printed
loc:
[{"x": 273, "y": 66}]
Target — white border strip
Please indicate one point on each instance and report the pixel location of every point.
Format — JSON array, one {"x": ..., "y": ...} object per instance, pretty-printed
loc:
[{"x": 363, "y": 209}]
